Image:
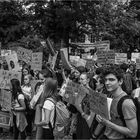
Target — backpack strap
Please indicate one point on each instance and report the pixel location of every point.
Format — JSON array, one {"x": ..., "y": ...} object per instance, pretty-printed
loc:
[
  {"x": 50, "y": 99},
  {"x": 119, "y": 107}
]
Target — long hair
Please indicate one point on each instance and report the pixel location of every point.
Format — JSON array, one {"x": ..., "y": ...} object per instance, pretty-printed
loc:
[
  {"x": 16, "y": 88},
  {"x": 50, "y": 89}
]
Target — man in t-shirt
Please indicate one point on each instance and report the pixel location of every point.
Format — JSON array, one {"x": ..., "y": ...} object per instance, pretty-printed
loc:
[{"x": 115, "y": 128}]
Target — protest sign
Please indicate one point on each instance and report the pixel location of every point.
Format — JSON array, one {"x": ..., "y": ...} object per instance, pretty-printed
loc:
[
  {"x": 4, "y": 79},
  {"x": 12, "y": 62},
  {"x": 6, "y": 99},
  {"x": 52, "y": 59},
  {"x": 73, "y": 91},
  {"x": 24, "y": 54},
  {"x": 101, "y": 57},
  {"x": 36, "y": 63},
  {"x": 138, "y": 63},
  {"x": 99, "y": 105},
  {"x": 5, "y": 120},
  {"x": 120, "y": 58},
  {"x": 6, "y": 76},
  {"x": 5, "y": 52},
  {"x": 134, "y": 56},
  {"x": 64, "y": 58}
]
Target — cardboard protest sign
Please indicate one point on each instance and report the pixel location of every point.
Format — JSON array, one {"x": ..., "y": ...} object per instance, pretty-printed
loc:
[
  {"x": 99, "y": 105},
  {"x": 6, "y": 76},
  {"x": 64, "y": 58},
  {"x": 24, "y": 54},
  {"x": 135, "y": 56},
  {"x": 120, "y": 58},
  {"x": 73, "y": 91},
  {"x": 36, "y": 63},
  {"x": 5, "y": 120},
  {"x": 6, "y": 99},
  {"x": 12, "y": 62}
]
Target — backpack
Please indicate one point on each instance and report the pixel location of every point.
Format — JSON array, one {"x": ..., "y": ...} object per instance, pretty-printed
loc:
[
  {"x": 61, "y": 119},
  {"x": 137, "y": 104}
]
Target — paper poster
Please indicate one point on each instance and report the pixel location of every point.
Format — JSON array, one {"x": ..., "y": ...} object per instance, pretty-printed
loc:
[
  {"x": 99, "y": 105},
  {"x": 6, "y": 76},
  {"x": 36, "y": 63},
  {"x": 120, "y": 58},
  {"x": 6, "y": 99},
  {"x": 12, "y": 62},
  {"x": 135, "y": 56},
  {"x": 24, "y": 54},
  {"x": 5, "y": 120},
  {"x": 64, "y": 58}
]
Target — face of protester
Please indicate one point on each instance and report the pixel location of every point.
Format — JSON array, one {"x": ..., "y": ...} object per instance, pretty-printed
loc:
[
  {"x": 26, "y": 80},
  {"x": 41, "y": 77},
  {"x": 77, "y": 74},
  {"x": 99, "y": 85},
  {"x": 25, "y": 72},
  {"x": 84, "y": 80},
  {"x": 112, "y": 83}
]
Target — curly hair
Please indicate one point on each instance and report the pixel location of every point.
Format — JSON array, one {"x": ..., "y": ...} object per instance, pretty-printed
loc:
[{"x": 115, "y": 70}]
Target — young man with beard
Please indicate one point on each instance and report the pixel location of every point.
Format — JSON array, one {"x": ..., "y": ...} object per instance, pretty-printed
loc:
[{"x": 115, "y": 128}]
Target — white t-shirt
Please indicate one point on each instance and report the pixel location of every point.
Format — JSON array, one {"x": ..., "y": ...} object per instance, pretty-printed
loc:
[
  {"x": 16, "y": 102},
  {"x": 26, "y": 90},
  {"x": 49, "y": 106}
]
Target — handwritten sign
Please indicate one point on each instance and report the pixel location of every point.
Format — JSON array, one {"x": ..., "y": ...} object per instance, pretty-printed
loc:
[
  {"x": 120, "y": 58},
  {"x": 98, "y": 104},
  {"x": 6, "y": 99},
  {"x": 24, "y": 54},
  {"x": 73, "y": 90},
  {"x": 6, "y": 76},
  {"x": 12, "y": 62},
  {"x": 36, "y": 63},
  {"x": 5, "y": 120}
]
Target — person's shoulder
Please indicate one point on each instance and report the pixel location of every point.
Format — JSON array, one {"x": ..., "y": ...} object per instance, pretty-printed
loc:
[
  {"x": 128, "y": 103},
  {"x": 20, "y": 96}
]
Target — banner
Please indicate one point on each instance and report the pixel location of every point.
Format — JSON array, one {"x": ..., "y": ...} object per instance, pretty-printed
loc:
[
  {"x": 5, "y": 120},
  {"x": 12, "y": 62},
  {"x": 24, "y": 54},
  {"x": 64, "y": 58},
  {"x": 106, "y": 57},
  {"x": 120, "y": 58},
  {"x": 36, "y": 63},
  {"x": 99, "y": 105}
]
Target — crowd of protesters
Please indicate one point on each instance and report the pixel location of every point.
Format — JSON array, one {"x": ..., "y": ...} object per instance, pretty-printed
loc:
[{"x": 115, "y": 81}]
